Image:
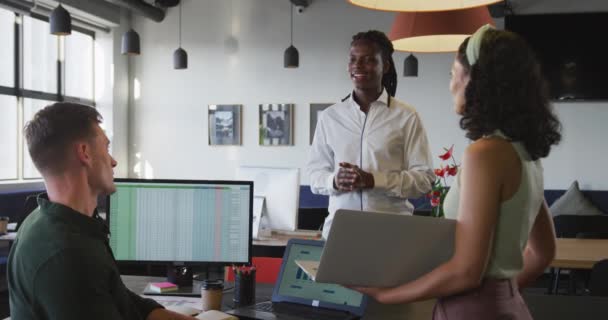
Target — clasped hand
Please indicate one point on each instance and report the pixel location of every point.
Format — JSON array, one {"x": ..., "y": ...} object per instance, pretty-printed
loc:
[{"x": 350, "y": 177}]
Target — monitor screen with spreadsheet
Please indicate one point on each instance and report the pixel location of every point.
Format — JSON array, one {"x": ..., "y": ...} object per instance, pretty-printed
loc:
[{"x": 180, "y": 221}]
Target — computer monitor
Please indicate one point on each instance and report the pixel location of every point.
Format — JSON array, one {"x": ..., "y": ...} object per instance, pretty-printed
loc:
[
  {"x": 181, "y": 222},
  {"x": 280, "y": 188}
]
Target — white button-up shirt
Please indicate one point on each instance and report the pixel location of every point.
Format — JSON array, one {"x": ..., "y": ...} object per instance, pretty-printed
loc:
[{"x": 389, "y": 142}]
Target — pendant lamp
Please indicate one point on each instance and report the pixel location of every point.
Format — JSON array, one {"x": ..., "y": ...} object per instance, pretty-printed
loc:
[
  {"x": 61, "y": 21},
  {"x": 180, "y": 56},
  {"x": 421, "y": 5},
  {"x": 439, "y": 31},
  {"x": 291, "y": 57},
  {"x": 410, "y": 66},
  {"x": 130, "y": 43}
]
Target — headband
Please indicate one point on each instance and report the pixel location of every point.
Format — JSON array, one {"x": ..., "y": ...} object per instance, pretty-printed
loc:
[{"x": 474, "y": 44}]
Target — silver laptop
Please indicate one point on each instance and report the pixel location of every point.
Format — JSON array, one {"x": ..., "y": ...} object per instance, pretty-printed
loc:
[
  {"x": 381, "y": 249},
  {"x": 296, "y": 296}
]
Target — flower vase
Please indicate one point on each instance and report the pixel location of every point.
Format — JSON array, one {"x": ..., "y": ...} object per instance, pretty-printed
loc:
[{"x": 437, "y": 211}]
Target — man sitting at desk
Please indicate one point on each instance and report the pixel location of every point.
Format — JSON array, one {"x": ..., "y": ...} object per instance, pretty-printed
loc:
[{"x": 61, "y": 266}]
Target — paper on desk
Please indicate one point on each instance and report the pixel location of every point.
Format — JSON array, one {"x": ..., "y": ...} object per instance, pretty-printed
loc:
[
  {"x": 215, "y": 315},
  {"x": 167, "y": 301}
]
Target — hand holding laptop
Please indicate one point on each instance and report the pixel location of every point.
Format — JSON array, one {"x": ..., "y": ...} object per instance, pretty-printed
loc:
[{"x": 371, "y": 249}]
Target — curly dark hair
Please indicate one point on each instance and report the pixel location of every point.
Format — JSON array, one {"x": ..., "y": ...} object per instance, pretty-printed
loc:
[
  {"x": 389, "y": 79},
  {"x": 507, "y": 92}
]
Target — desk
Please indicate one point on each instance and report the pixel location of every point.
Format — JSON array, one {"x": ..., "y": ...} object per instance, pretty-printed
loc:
[
  {"x": 579, "y": 253},
  {"x": 137, "y": 284},
  {"x": 274, "y": 246},
  {"x": 416, "y": 311},
  {"x": 10, "y": 237},
  {"x": 280, "y": 238},
  {"x": 542, "y": 306}
]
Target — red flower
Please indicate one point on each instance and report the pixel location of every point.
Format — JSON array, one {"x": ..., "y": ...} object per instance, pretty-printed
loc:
[
  {"x": 451, "y": 170},
  {"x": 448, "y": 154},
  {"x": 440, "y": 172},
  {"x": 436, "y": 193},
  {"x": 435, "y": 202}
]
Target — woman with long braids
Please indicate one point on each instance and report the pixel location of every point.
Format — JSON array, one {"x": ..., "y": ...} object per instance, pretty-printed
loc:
[
  {"x": 370, "y": 151},
  {"x": 504, "y": 233}
]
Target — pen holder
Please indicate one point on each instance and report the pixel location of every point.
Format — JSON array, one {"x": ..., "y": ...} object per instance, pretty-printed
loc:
[{"x": 244, "y": 287}]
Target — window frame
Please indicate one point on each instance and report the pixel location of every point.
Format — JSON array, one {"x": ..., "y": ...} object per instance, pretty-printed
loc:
[{"x": 20, "y": 93}]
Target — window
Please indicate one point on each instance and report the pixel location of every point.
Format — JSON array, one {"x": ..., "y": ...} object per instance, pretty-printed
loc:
[
  {"x": 79, "y": 65},
  {"x": 30, "y": 107},
  {"x": 8, "y": 138},
  {"x": 48, "y": 69},
  {"x": 7, "y": 48},
  {"x": 39, "y": 56}
]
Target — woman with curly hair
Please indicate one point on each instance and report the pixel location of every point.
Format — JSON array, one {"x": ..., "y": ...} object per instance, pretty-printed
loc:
[{"x": 504, "y": 234}]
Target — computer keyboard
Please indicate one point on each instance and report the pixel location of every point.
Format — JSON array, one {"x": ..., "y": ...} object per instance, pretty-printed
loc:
[
  {"x": 305, "y": 312},
  {"x": 264, "y": 306}
]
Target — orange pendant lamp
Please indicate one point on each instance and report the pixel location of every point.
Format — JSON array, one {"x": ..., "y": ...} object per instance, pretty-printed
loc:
[
  {"x": 437, "y": 31},
  {"x": 421, "y": 5}
]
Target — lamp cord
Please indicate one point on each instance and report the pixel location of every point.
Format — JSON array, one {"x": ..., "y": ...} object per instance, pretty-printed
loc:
[
  {"x": 180, "y": 24},
  {"x": 292, "y": 23}
]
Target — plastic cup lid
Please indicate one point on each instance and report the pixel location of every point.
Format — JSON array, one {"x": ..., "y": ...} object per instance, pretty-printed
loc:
[{"x": 212, "y": 284}]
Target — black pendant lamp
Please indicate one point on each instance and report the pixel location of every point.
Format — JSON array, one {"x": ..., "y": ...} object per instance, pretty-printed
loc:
[
  {"x": 130, "y": 43},
  {"x": 410, "y": 66},
  {"x": 180, "y": 56},
  {"x": 291, "y": 58},
  {"x": 61, "y": 21}
]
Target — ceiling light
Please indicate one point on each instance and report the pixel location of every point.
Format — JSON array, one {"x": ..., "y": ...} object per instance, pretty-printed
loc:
[
  {"x": 61, "y": 21},
  {"x": 130, "y": 43},
  {"x": 291, "y": 57},
  {"x": 421, "y": 5},
  {"x": 180, "y": 56},
  {"x": 410, "y": 66},
  {"x": 440, "y": 31}
]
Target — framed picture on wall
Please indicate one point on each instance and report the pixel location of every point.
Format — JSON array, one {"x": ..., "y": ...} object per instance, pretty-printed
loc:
[
  {"x": 315, "y": 110},
  {"x": 225, "y": 124},
  {"x": 276, "y": 124}
]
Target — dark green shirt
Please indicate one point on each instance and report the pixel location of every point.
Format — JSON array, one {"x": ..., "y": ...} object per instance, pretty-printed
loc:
[{"x": 61, "y": 267}]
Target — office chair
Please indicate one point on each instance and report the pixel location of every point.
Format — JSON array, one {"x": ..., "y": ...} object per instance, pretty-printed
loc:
[
  {"x": 30, "y": 204},
  {"x": 598, "y": 283}
]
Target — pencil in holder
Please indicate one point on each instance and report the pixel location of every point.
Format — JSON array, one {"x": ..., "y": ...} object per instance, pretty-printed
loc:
[{"x": 244, "y": 286}]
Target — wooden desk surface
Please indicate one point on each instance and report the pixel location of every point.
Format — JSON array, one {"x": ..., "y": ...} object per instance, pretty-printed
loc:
[
  {"x": 280, "y": 238},
  {"x": 579, "y": 253}
]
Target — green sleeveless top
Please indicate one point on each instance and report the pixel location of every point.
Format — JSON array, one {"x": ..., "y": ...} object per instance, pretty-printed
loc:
[{"x": 516, "y": 216}]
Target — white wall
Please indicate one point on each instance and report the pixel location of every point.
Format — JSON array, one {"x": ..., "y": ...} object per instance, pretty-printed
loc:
[
  {"x": 120, "y": 116},
  {"x": 168, "y": 121},
  {"x": 112, "y": 90}
]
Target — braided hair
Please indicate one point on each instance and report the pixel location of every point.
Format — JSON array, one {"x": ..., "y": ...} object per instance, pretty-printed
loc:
[{"x": 389, "y": 79}]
